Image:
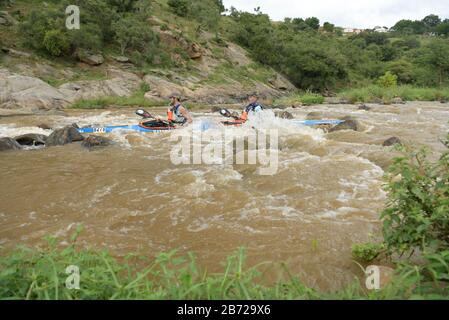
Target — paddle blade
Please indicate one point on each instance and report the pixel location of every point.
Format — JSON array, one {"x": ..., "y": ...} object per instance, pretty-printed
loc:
[
  {"x": 144, "y": 114},
  {"x": 225, "y": 113}
]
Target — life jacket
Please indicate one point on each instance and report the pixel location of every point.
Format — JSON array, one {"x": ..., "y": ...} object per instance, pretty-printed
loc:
[
  {"x": 175, "y": 116},
  {"x": 252, "y": 107}
]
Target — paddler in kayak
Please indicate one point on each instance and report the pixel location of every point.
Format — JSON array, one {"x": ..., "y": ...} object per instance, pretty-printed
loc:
[
  {"x": 253, "y": 107},
  {"x": 177, "y": 114}
]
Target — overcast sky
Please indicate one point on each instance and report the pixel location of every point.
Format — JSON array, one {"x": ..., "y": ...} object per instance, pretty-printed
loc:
[{"x": 347, "y": 13}]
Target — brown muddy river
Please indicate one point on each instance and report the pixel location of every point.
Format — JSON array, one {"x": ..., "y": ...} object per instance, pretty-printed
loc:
[{"x": 327, "y": 193}]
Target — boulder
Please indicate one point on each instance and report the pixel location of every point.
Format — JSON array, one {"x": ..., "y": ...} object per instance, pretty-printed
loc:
[
  {"x": 392, "y": 141},
  {"x": 364, "y": 107},
  {"x": 89, "y": 58},
  {"x": 348, "y": 124},
  {"x": 237, "y": 55},
  {"x": 284, "y": 115},
  {"x": 194, "y": 51},
  {"x": 31, "y": 139},
  {"x": 162, "y": 88},
  {"x": 64, "y": 136},
  {"x": 17, "y": 91},
  {"x": 121, "y": 59},
  {"x": 16, "y": 53},
  {"x": 6, "y": 19},
  {"x": 397, "y": 100},
  {"x": 44, "y": 126},
  {"x": 96, "y": 141},
  {"x": 9, "y": 144},
  {"x": 120, "y": 83}
]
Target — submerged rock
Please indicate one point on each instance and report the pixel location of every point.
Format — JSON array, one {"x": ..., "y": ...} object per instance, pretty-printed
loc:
[
  {"x": 397, "y": 100},
  {"x": 284, "y": 115},
  {"x": 348, "y": 124},
  {"x": 96, "y": 141},
  {"x": 64, "y": 136},
  {"x": 315, "y": 116},
  {"x": 31, "y": 139},
  {"x": 9, "y": 144},
  {"x": 392, "y": 141},
  {"x": 44, "y": 126},
  {"x": 364, "y": 107}
]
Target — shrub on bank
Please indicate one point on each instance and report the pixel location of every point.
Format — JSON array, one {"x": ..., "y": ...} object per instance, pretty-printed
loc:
[{"x": 376, "y": 94}]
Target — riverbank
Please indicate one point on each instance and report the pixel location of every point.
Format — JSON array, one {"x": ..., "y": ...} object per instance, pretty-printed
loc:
[
  {"x": 369, "y": 94},
  {"x": 62, "y": 271}
]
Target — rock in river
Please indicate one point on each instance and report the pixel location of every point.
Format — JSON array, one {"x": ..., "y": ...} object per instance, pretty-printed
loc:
[
  {"x": 284, "y": 115},
  {"x": 64, "y": 136},
  {"x": 348, "y": 124},
  {"x": 392, "y": 141},
  {"x": 364, "y": 107},
  {"x": 31, "y": 139},
  {"x": 96, "y": 141},
  {"x": 9, "y": 144}
]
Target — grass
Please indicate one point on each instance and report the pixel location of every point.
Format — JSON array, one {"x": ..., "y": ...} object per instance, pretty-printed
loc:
[
  {"x": 40, "y": 274},
  {"x": 377, "y": 94},
  {"x": 80, "y": 75},
  {"x": 137, "y": 99},
  {"x": 306, "y": 98}
]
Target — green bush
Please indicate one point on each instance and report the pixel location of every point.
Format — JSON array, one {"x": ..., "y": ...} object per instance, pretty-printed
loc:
[
  {"x": 56, "y": 42},
  {"x": 311, "y": 99},
  {"x": 417, "y": 213},
  {"x": 388, "y": 80},
  {"x": 367, "y": 252},
  {"x": 133, "y": 34},
  {"x": 179, "y": 7},
  {"x": 407, "y": 93}
]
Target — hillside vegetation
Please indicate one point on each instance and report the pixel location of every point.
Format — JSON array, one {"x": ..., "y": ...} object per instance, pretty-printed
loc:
[{"x": 195, "y": 39}]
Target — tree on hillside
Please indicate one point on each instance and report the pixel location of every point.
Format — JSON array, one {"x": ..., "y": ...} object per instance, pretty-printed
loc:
[
  {"x": 431, "y": 21},
  {"x": 443, "y": 28},
  {"x": 179, "y": 7},
  {"x": 219, "y": 4},
  {"x": 313, "y": 23},
  {"x": 370, "y": 37},
  {"x": 328, "y": 27},
  {"x": 132, "y": 33},
  {"x": 410, "y": 27},
  {"x": 299, "y": 24},
  {"x": 434, "y": 57},
  {"x": 206, "y": 12}
]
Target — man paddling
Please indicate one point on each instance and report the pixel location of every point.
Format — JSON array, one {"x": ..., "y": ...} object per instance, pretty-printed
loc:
[
  {"x": 177, "y": 114},
  {"x": 253, "y": 107}
]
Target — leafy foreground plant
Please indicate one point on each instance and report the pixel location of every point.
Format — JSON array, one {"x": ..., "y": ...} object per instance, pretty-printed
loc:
[
  {"x": 41, "y": 274},
  {"x": 416, "y": 222}
]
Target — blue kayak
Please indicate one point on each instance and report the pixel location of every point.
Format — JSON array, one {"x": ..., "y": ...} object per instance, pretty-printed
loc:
[
  {"x": 204, "y": 126},
  {"x": 312, "y": 123},
  {"x": 109, "y": 129}
]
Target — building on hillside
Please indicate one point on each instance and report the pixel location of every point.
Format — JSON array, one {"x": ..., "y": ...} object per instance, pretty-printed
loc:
[
  {"x": 352, "y": 31},
  {"x": 381, "y": 29}
]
